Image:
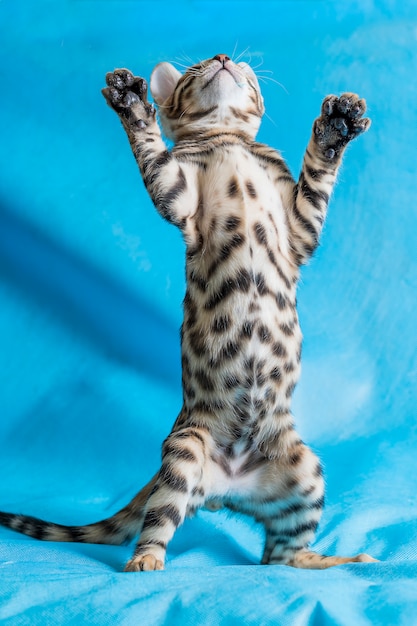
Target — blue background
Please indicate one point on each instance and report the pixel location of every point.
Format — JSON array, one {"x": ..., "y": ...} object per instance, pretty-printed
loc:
[{"x": 90, "y": 305}]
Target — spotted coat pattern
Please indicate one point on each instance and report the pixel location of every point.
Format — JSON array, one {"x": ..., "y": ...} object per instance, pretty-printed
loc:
[{"x": 248, "y": 227}]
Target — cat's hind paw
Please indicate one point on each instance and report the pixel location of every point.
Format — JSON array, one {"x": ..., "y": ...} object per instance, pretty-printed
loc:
[
  {"x": 341, "y": 121},
  {"x": 144, "y": 563}
]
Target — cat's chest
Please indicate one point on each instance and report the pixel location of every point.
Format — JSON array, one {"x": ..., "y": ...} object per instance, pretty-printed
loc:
[{"x": 240, "y": 203}]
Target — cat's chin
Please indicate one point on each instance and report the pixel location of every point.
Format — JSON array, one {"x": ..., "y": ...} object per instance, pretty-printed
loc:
[{"x": 226, "y": 83}]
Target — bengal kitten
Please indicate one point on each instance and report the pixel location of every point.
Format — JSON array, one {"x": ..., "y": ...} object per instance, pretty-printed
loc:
[{"x": 248, "y": 227}]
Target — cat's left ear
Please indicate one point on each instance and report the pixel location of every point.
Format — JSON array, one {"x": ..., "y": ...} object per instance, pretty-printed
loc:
[
  {"x": 249, "y": 73},
  {"x": 164, "y": 79}
]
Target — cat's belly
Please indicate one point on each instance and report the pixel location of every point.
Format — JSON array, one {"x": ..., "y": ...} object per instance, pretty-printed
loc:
[{"x": 245, "y": 369}]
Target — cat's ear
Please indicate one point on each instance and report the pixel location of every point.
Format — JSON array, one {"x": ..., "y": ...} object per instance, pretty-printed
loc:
[
  {"x": 164, "y": 79},
  {"x": 249, "y": 72}
]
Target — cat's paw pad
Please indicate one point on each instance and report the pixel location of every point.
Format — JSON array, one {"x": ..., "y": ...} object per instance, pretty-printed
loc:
[
  {"x": 127, "y": 95},
  {"x": 144, "y": 563},
  {"x": 341, "y": 121}
]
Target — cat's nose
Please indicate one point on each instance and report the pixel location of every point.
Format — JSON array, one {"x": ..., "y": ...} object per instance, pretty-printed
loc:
[{"x": 222, "y": 58}]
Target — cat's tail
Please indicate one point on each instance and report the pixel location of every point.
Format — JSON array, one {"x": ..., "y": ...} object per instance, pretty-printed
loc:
[{"x": 116, "y": 530}]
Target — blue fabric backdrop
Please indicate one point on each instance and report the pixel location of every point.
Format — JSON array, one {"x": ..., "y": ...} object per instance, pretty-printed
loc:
[{"x": 90, "y": 305}]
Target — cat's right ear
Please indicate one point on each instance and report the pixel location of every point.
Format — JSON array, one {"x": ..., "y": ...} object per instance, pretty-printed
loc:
[{"x": 164, "y": 79}]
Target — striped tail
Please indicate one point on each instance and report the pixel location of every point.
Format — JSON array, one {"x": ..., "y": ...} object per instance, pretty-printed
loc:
[{"x": 116, "y": 530}]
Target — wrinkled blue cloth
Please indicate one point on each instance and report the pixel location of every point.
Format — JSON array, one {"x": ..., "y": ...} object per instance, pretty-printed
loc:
[{"x": 90, "y": 305}]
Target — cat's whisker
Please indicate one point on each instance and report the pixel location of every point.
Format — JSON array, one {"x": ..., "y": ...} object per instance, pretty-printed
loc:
[
  {"x": 273, "y": 122},
  {"x": 234, "y": 51},
  {"x": 265, "y": 79},
  {"x": 180, "y": 64},
  {"x": 186, "y": 58},
  {"x": 185, "y": 111},
  {"x": 242, "y": 54},
  {"x": 255, "y": 67}
]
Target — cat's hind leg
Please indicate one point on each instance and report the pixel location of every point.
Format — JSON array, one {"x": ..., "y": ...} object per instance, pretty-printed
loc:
[
  {"x": 177, "y": 492},
  {"x": 291, "y": 524},
  {"x": 306, "y": 559}
]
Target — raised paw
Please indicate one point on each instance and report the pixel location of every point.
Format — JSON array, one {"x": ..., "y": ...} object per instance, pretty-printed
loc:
[
  {"x": 127, "y": 95},
  {"x": 340, "y": 121},
  {"x": 144, "y": 563}
]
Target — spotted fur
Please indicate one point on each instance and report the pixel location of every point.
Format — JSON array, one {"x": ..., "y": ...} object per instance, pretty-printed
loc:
[{"x": 248, "y": 226}]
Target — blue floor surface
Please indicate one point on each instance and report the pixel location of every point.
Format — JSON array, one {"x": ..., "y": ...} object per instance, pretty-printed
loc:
[{"x": 90, "y": 305}]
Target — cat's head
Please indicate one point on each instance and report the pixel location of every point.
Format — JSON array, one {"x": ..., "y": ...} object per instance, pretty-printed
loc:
[{"x": 216, "y": 94}]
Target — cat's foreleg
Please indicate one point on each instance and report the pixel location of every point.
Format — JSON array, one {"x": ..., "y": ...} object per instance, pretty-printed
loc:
[
  {"x": 166, "y": 180},
  {"x": 340, "y": 121}
]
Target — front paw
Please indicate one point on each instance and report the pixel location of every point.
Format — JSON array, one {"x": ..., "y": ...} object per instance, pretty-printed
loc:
[
  {"x": 127, "y": 95},
  {"x": 340, "y": 121}
]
